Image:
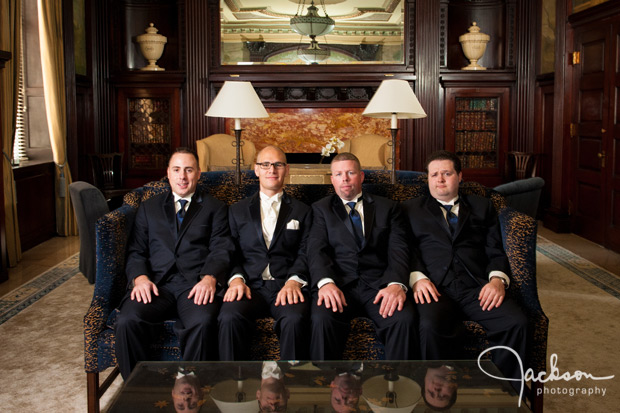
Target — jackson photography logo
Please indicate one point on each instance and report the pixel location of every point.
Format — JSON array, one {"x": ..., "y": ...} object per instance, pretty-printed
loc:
[{"x": 553, "y": 375}]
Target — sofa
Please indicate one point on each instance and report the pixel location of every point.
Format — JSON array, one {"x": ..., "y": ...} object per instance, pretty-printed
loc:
[{"x": 113, "y": 229}]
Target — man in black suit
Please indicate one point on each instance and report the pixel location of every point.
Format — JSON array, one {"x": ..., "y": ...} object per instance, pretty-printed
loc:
[
  {"x": 180, "y": 249},
  {"x": 460, "y": 270},
  {"x": 358, "y": 259},
  {"x": 270, "y": 274}
]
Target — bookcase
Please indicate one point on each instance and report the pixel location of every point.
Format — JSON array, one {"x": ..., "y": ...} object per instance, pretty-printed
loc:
[{"x": 477, "y": 131}]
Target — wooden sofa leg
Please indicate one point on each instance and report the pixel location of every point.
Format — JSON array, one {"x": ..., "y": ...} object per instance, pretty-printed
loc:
[
  {"x": 537, "y": 399},
  {"x": 92, "y": 391}
]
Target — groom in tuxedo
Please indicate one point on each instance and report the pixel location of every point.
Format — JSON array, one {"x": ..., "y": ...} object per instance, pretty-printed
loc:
[
  {"x": 178, "y": 255},
  {"x": 358, "y": 259},
  {"x": 270, "y": 275},
  {"x": 459, "y": 269}
]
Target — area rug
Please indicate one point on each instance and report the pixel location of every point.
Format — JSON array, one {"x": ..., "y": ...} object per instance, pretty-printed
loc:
[{"x": 29, "y": 293}]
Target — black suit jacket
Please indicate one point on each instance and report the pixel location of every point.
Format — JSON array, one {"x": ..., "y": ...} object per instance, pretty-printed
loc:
[
  {"x": 333, "y": 252},
  {"x": 201, "y": 246},
  {"x": 476, "y": 247},
  {"x": 286, "y": 254}
]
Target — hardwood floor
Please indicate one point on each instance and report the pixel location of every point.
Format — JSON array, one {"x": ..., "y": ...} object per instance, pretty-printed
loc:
[
  {"x": 50, "y": 253},
  {"x": 38, "y": 259}
]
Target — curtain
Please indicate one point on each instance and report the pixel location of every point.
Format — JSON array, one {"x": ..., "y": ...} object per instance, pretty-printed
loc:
[
  {"x": 10, "y": 41},
  {"x": 52, "y": 62}
]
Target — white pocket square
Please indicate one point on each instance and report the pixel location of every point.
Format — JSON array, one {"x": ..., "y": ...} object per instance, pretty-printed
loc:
[{"x": 292, "y": 224}]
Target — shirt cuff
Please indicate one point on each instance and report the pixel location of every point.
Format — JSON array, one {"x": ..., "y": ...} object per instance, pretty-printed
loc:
[
  {"x": 236, "y": 276},
  {"x": 324, "y": 281},
  {"x": 403, "y": 286},
  {"x": 500, "y": 275},
  {"x": 416, "y": 276},
  {"x": 299, "y": 280}
]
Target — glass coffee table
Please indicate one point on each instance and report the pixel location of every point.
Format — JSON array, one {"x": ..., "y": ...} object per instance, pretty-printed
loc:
[{"x": 343, "y": 386}]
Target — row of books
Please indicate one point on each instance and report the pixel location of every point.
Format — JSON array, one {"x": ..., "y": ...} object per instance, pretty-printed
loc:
[
  {"x": 486, "y": 104},
  {"x": 467, "y": 141},
  {"x": 475, "y": 121},
  {"x": 478, "y": 161}
]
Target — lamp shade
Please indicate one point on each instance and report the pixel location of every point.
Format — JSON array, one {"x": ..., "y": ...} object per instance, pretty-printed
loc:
[
  {"x": 391, "y": 396},
  {"x": 394, "y": 96},
  {"x": 237, "y": 100}
]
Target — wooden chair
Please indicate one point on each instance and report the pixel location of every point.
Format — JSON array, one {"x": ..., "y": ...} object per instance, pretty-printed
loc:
[
  {"x": 521, "y": 165},
  {"x": 107, "y": 171}
]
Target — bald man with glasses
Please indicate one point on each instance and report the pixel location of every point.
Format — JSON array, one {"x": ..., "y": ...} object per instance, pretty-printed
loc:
[{"x": 270, "y": 271}]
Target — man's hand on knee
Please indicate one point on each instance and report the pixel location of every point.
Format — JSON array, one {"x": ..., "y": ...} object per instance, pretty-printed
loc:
[
  {"x": 204, "y": 291},
  {"x": 142, "y": 287},
  {"x": 392, "y": 298},
  {"x": 332, "y": 296}
]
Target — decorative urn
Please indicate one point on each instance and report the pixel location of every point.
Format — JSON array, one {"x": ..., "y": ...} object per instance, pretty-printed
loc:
[
  {"x": 474, "y": 44},
  {"x": 152, "y": 47}
]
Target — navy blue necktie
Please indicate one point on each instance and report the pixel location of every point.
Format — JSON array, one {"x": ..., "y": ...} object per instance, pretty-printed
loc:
[
  {"x": 453, "y": 220},
  {"x": 356, "y": 220},
  {"x": 181, "y": 213}
]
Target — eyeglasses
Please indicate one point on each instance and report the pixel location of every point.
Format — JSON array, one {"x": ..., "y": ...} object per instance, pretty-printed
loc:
[{"x": 268, "y": 165}]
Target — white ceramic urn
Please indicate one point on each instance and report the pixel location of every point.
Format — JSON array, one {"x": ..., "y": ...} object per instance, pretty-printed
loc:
[
  {"x": 152, "y": 47},
  {"x": 474, "y": 44}
]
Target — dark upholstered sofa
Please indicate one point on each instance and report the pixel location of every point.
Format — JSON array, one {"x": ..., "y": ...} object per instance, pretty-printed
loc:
[{"x": 113, "y": 229}]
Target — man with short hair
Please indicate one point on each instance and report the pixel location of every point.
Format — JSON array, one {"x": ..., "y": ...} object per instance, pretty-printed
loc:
[
  {"x": 459, "y": 269},
  {"x": 270, "y": 274},
  {"x": 358, "y": 258},
  {"x": 180, "y": 249}
]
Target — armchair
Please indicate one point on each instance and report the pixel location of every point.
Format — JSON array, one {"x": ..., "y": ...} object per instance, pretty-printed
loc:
[
  {"x": 217, "y": 152},
  {"x": 372, "y": 150}
]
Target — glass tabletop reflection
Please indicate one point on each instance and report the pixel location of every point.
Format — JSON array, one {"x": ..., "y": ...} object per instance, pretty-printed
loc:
[{"x": 329, "y": 386}]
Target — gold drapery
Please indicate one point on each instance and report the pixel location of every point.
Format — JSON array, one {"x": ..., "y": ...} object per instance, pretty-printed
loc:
[
  {"x": 53, "y": 65},
  {"x": 10, "y": 28}
]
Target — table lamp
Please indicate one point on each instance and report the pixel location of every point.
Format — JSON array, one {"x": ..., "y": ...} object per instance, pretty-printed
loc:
[
  {"x": 237, "y": 100},
  {"x": 236, "y": 395},
  {"x": 391, "y": 393},
  {"x": 394, "y": 99}
]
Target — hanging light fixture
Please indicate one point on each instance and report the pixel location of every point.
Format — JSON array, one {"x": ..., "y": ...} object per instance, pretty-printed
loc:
[
  {"x": 312, "y": 24},
  {"x": 313, "y": 54}
]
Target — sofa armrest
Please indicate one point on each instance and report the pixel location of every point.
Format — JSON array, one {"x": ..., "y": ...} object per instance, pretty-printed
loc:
[
  {"x": 112, "y": 234},
  {"x": 519, "y": 233}
]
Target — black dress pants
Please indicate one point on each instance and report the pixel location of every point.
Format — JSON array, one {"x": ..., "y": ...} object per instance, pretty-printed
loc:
[
  {"x": 442, "y": 331},
  {"x": 330, "y": 329},
  {"x": 196, "y": 325},
  {"x": 236, "y": 324}
]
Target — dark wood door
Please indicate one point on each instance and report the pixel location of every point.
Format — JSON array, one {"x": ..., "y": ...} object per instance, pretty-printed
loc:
[{"x": 596, "y": 187}]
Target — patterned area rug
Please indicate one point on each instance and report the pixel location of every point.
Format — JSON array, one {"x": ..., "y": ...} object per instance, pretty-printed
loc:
[
  {"x": 583, "y": 268},
  {"x": 20, "y": 298}
]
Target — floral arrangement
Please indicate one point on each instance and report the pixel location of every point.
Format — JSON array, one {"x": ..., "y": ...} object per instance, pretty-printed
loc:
[{"x": 330, "y": 147}]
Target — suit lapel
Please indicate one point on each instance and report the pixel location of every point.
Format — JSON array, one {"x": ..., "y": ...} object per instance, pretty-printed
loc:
[
  {"x": 434, "y": 208},
  {"x": 285, "y": 210},
  {"x": 464, "y": 212},
  {"x": 341, "y": 213},
  {"x": 256, "y": 218},
  {"x": 369, "y": 216},
  {"x": 170, "y": 214}
]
